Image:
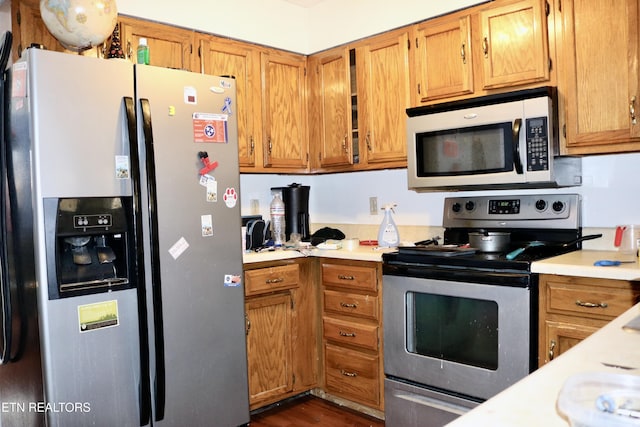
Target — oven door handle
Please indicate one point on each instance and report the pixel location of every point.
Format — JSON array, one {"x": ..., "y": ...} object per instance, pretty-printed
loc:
[{"x": 517, "y": 162}]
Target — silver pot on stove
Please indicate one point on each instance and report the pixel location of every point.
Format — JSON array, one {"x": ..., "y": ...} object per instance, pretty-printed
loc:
[{"x": 490, "y": 241}]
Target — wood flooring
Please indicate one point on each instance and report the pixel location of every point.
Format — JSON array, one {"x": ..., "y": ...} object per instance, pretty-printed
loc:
[{"x": 309, "y": 411}]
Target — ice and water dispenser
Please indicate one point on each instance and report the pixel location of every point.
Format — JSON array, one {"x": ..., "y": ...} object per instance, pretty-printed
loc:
[{"x": 89, "y": 245}]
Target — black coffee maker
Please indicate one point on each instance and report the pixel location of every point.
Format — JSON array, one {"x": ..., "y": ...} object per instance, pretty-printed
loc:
[{"x": 296, "y": 210}]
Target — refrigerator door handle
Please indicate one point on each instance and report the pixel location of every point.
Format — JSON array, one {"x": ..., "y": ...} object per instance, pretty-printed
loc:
[
  {"x": 144, "y": 387},
  {"x": 160, "y": 379},
  {"x": 5, "y": 288}
]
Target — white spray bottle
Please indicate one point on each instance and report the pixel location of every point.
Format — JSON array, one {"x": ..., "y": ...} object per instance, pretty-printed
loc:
[{"x": 388, "y": 235}]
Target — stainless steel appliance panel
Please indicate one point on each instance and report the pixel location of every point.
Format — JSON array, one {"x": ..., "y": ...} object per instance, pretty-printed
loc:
[
  {"x": 409, "y": 405},
  {"x": 478, "y": 382},
  {"x": 78, "y": 123},
  {"x": 202, "y": 309}
]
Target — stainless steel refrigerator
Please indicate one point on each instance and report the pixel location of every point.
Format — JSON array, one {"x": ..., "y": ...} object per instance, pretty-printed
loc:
[{"x": 124, "y": 259}]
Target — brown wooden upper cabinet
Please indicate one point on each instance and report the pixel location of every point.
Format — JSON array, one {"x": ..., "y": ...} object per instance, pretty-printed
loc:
[
  {"x": 598, "y": 75},
  {"x": 223, "y": 57},
  {"x": 330, "y": 108},
  {"x": 382, "y": 65},
  {"x": 514, "y": 44},
  {"x": 169, "y": 47},
  {"x": 481, "y": 50},
  {"x": 284, "y": 111}
]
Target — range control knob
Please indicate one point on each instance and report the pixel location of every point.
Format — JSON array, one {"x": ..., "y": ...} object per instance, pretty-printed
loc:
[
  {"x": 541, "y": 204},
  {"x": 456, "y": 207},
  {"x": 558, "y": 206},
  {"x": 470, "y": 205}
]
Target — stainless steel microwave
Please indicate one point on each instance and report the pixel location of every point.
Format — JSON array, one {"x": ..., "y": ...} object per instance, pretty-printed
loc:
[{"x": 498, "y": 141}]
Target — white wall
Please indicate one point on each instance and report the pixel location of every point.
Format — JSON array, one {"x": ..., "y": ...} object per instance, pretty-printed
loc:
[
  {"x": 281, "y": 24},
  {"x": 610, "y": 194}
]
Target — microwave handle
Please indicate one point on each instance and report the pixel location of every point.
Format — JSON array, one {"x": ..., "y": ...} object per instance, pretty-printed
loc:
[{"x": 517, "y": 162}]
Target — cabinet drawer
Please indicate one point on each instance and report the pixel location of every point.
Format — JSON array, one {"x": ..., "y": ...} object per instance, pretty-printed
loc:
[
  {"x": 350, "y": 276},
  {"x": 352, "y": 375},
  {"x": 608, "y": 303},
  {"x": 365, "y": 306},
  {"x": 353, "y": 333},
  {"x": 271, "y": 279}
]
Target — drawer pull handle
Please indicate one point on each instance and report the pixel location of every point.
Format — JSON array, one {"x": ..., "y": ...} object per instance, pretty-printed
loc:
[
  {"x": 348, "y": 305},
  {"x": 348, "y": 374},
  {"x": 276, "y": 280},
  {"x": 552, "y": 350},
  {"x": 347, "y": 334},
  {"x": 592, "y": 304},
  {"x": 345, "y": 277}
]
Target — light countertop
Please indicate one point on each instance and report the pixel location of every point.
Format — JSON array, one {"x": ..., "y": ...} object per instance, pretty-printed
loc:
[
  {"x": 580, "y": 263},
  {"x": 360, "y": 253},
  {"x": 532, "y": 400}
]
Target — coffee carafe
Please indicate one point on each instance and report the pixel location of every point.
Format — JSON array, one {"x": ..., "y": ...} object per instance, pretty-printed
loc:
[{"x": 296, "y": 210}]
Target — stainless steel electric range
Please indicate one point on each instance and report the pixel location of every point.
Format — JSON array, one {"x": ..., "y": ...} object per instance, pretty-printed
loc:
[{"x": 460, "y": 322}]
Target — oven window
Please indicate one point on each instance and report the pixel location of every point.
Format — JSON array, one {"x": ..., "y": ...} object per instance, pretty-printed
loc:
[
  {"x": 452, "y": 328},
  {"x": 465, "y": 151}
]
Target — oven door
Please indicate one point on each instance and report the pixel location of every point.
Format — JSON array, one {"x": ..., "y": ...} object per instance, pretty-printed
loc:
[{"x": 467, "y": 338}]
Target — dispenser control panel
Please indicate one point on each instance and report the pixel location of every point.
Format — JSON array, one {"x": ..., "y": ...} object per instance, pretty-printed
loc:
[{"x": 92, "y": 221}]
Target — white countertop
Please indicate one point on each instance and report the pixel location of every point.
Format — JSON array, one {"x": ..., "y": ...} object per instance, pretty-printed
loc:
[
  {"x": 532, "y": 401},
  {"x": 360, "y": 253},
  {"x": 580, "y": 263}
]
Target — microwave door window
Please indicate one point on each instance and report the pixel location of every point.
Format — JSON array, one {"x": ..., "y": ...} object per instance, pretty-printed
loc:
[
  {"x": 455, "y": 329},
  {"x": 466, "y": 151}
]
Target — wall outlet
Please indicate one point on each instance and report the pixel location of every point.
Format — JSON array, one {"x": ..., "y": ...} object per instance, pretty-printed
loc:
[{"x": 373, "y": 206}]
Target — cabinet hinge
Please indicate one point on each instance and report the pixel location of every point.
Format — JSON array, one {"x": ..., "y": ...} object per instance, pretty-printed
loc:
[
  {"x": 305, "y": 71},
  {"x": 19, "y": 18},
  {"x": 559, "y": 5},
  {"x": 294, "y": 379},
  {"x": 191, "y": 49},
  {"x": 564, "y": 130},
  {"x": 199, "y": 51},
  {"x": 550, "y": 64},
  {"x": 293, "y": 304},
  {"x": 408, "y": 44},
  {"x": 547, "y": 8}
]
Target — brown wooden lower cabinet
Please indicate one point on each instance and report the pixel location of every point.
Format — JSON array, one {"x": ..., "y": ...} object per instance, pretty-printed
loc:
[
  {"x": 352, "y": 331},
  {"x": 572, "y": 308},
  {"x": 282, "y": 330}
]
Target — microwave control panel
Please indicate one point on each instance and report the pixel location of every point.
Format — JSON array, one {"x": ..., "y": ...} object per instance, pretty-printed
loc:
[{"x": 537, "y": 144}]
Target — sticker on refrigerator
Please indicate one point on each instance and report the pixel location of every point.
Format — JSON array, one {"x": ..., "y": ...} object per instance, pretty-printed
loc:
[
  {"x": 210, "y": 127},
  {"x": 232, "y": 280},
  {"x": 190, "y": 95},
  {"x": 19, "y": 85},
  {"x": 212, "y": 190},
  {"x": 122, "y": 167},
  {"x": 206, "y": 222},
  {"x": 178, "y": 248},
  {"x": 98, "y": 315},
  {"x": 230, "y": 197}
]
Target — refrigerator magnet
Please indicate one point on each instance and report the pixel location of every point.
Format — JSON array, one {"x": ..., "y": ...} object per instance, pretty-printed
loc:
[
  {"x": 178, "y": 248},
  {"x": 190, "y": 95},
  {"x": 210, "y": 127},
  {"x": 98, "y": 315},
  {"x": 230, "y": 197},
  {"x": 122, "y": 167},
  {"x": 206, "y": 223},
  {"x": 212, "y": 190},
  {"x": 232, "y": 280}
]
